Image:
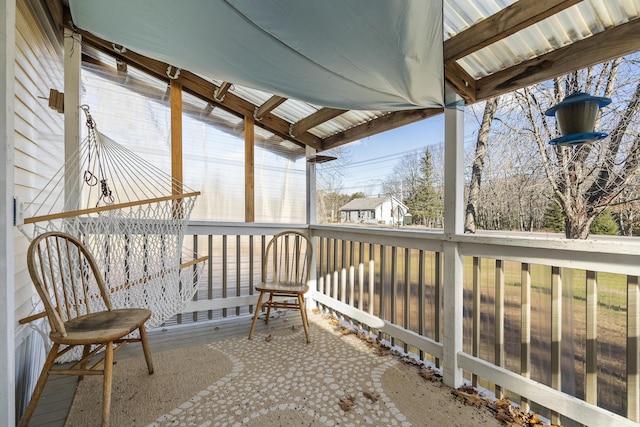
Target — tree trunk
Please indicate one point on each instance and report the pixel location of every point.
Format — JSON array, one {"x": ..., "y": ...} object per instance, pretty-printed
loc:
[
  {"x": 577, "y": 226},
  {"x": 478, "y": 164}
]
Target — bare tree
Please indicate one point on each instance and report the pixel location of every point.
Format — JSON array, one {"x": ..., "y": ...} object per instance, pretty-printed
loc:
[
  {"x": 329, "y": 197},
  {"x": 478, "y": 164},
  {"x": 586, "y": 179}
]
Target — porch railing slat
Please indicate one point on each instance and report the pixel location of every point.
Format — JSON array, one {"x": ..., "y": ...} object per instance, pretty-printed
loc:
[
  {"x": 591, "y": 375},
  {"x": 476, "y": 338},
  {"x": 525, "y": 338},
  {"x": 394, "y": 288},
  {"x": 210, "y": 273},
  {"x": 556, "y": 334},
  {"x": 407, "y": 292},
  {"x": 499, "y": 320},
  {"x": 421, "y": 298},
  {"x": 633, "y": 348},
  {"x": 372, "y": 279}
]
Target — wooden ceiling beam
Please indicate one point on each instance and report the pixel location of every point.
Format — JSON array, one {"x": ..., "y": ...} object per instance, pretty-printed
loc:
[
  {"x": 381, "y": 124},
  {"x": 268, "y": 106},
  {"x": 612, "y": 43},
  {"x": 204, "y": 90},
  {"x": 461, "y": 81},
  {"x": 508, "y": 21},
  {"x": 313, "y": 120}
]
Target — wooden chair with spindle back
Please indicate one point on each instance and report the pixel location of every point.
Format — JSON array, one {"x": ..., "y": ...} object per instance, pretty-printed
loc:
[
  {"x": 78, "y": 308},
  {"x": 285, "y": 273}
]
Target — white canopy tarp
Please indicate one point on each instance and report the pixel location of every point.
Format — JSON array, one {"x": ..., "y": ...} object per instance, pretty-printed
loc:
[{"x": 349, "y": 54}]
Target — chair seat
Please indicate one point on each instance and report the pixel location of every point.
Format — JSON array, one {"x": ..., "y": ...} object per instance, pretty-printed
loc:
[
  {"x": 103, "y": 326},
  {"x": 286, "y": 287}
]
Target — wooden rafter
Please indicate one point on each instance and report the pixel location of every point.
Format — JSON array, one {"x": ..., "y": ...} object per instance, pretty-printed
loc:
[
  {"x": 121, "y": 65},
  {"x": 459, "y": 79},
  {"x": 315, "y": 119},
  {"x": 508, "y": 21},
  {"x": 269, "y": 105},
  {"x": 221, "y": 91},
  {"x": 604, "y": 46},
  {"x": 208, "y": 109},
  {"x": 381, "y": 124}
]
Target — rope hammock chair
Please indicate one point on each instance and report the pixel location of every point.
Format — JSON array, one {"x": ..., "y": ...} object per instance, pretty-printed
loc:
[{"x": 131, "y": 216}]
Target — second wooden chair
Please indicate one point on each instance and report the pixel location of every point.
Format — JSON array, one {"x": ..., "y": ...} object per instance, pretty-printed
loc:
[{"x": 285, "y": 276}]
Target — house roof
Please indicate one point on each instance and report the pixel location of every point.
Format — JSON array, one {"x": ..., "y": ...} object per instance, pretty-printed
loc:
[
  {"x": 488, "y": 48},
  {"x": 368, "y": 203}
]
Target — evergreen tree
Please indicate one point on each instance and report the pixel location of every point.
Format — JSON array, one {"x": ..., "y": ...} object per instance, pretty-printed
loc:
[
  {"x": 553, "y": 218},
  {"x": 605, "y": 224},
  {"x": 424, "y": 204}
]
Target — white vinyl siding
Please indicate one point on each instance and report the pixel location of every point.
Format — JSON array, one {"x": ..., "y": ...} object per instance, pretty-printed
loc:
[
  {"x": 38, "y": 153},
  {"x": 38, "y": 129}
]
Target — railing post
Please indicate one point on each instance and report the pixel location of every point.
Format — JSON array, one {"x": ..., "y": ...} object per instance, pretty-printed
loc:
[
  {"x": 453, "y": 315},
  {"x": 453, "y": 224}
]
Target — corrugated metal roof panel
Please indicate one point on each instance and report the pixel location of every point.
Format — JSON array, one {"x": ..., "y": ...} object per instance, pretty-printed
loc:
[
  {"x": 343, "y": 122},
  {"x": 573, "y": 24},
  {"x": 458, "y": 15}
]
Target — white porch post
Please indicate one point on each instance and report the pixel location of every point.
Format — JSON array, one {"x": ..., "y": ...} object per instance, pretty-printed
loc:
[
  {"x": 453, "y": 224},
  {"x": 311, "y": 215},
  {"x": 72, "y": 64},
  {"x": 7, "y": 288},
  {"x": 311, "y": 187}
]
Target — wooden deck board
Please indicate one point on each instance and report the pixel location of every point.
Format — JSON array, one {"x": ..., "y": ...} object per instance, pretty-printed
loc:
[{"x": 59, "y": 391}]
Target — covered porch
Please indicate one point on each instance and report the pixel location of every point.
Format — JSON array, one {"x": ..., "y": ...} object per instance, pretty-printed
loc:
[
  {"x": 489, "y": 310},
  {"x": 391, "y": 285}
]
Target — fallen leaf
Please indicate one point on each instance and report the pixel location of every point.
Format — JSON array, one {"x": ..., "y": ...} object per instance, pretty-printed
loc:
[
  {"x": 372, "y": 396},
  {"x": 383, "y": 351},
  {"x": 268, "y": 338},
  {"x": 430, "y": 375},
  {"x": 347, "y": 403},
  {"x": 469, "y": 398}
]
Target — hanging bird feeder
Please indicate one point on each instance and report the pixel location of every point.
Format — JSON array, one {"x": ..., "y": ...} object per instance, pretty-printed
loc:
[{"x": 576, "y": 116}]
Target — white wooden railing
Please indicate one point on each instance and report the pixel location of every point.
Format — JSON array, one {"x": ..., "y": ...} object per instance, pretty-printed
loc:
[{"x": 393, "y": 282}]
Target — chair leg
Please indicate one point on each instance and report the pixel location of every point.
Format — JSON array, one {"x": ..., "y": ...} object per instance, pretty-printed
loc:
[
  {"x": 145, "y": 348},
  {"x": 255, "y": 315},
  {"x": 42, "y": 380},
  {"x": 106, "y": 386},
  {"x": 85, "y": 352},
  {"x": 303, "y": 314},
  {"x": 266, "y": 319}
]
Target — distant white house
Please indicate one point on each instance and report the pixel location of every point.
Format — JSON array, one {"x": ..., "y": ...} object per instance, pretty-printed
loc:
[{"x": 374, "y": 210}]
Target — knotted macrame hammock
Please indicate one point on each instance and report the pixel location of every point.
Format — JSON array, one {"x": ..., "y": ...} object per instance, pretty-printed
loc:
[{"x": 131, "y": 216}]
